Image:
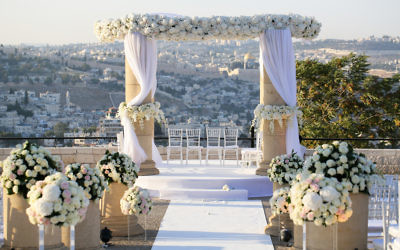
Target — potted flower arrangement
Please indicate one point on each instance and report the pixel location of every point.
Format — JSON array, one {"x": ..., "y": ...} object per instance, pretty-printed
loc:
[
  {"x": 27, "y": 164},
  {"x": 120, "y": 172},
  {"x": 356, "y": 174},
  {"x": 93, "y": 183},
  {"x": 280, "y": 201},
  {"x": 136, "y": 201},
  {"x": 284, "y": 168}
]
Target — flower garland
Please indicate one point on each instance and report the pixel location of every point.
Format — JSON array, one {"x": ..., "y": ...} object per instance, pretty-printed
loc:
[
  {"x": 57, "y": 201},
  {"x": 322, "y": 200},
  {"x": 339, "y": 160},
  {"x": 284, "y": 168},
  {"x": 205, "y": 28},
  {"x": 90, "y": 179},
  {"x": 280, "y": 201},
  {"x": 26, "y": 165},
  {"x": 136, "y": 201},
  {"x": 118, "y": 167},
  {"x": 142, "y": 112},
  {"x": 272, "y": 113}
]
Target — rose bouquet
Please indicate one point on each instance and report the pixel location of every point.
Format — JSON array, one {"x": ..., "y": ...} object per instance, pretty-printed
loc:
[
  {"x": 284, "y": 168},
  {"x": 280, "y": 201},
  {"x": 118, "y": 167},
  {"x": 319, "y": 199},
  {"x": 340, "y": 161},
  {"x": 142, "y": 112},
  {"x": 26, "y": 165},
  {"x": 136, "y": 201},
  {"x": 90, "y": 179},
  {"x": 57, "y": 200}
]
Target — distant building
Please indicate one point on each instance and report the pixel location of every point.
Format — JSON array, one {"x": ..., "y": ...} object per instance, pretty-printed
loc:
[
  {"x": 110, "y": 125},
  {"x": 50, "y": 97}
]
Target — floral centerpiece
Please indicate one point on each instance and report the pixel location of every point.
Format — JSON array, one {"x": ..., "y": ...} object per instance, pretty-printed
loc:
[
  {"x": 280, "y": 201},
  {"x": 339, "y": 160},
  {"x": 136, "y": 201},
  {"x": 142, "y": 112},
  {"x": 90, "y": 179},
  {"x": 284, "y": 168},
  {"x": 118, "y": 167},
  {"x": 57, "y": 200},
  {"x": 26, "y": 165},
  {"x": 178, "y": 28},
  {"x": 273, "y": 113},
  {"x": 319, "y": 199}
]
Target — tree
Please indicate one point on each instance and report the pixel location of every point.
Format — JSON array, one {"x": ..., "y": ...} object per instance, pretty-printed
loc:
[
  {"x": 26, "y": 98},
  {"x": 60, "y": 128},
  {"x": 339, "y": 99}
]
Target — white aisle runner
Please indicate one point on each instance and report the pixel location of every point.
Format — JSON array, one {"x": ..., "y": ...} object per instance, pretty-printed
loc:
[{"x": 213, "y": 225}]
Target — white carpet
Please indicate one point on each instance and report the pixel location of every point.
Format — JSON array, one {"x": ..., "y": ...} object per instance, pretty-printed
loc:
[{"x": 213, "y": 225}]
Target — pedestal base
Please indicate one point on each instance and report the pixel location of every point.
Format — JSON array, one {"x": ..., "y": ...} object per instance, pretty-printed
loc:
[
  {"x": 262, "y": 168},
  {"x": 113, "y": 218},
  {"x": 148, "y": 168},
  {"x": 87, "y": 232},
  {"x": 19, "y": 233}
]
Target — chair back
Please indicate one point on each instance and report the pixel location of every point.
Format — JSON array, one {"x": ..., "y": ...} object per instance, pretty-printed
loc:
[
  {"x": 213, "y": 137},
  {"x": 193, "y": 137},
  {"x": 175, "y": 137},
  {"x": 230, "y": 137},
  {"x": 259, "y": 140},
  {"x": 383, "y": 195}
]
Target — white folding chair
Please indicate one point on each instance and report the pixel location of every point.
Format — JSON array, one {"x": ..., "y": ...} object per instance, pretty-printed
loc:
[
  {"x": 175, "y": 143},
  {"x": 214, "y": 144},
  {"x": 193, "y": 142},
  {"x": 230, "y": 143},
  {"x": 250, "y": 155}
]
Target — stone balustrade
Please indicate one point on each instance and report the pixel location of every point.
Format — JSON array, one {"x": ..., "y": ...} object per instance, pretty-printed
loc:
[{"x": 388, "y": 160}]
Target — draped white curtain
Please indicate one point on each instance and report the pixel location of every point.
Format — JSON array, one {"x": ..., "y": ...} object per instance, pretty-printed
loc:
[
  {"x": 277, "y": 57},
  {"x": 141, "y": 55}
]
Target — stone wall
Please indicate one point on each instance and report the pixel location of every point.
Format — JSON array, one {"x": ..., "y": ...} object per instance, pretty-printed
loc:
[{"x": 388, "y": 160}]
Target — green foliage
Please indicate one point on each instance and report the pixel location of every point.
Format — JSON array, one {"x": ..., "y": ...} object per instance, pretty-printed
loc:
[
  {"x": 339, "y": 99},
  {"x": 20, "y": 111}
]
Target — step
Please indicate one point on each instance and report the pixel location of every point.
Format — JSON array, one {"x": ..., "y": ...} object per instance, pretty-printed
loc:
[{"x": 203, "y": 194}]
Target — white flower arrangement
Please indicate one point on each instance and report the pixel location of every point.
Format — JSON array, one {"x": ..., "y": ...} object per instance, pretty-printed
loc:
[
  {"x": 118, "y": 167},
  {"x": 319, "y": 199},
  {"x": 284, "y": 168},
  {"x": 136, "y": 201},
  {"x": 142, "y": 112},
  {"x": 273, "y": 113},
  {"x": 280, "y": 201},
  {"x": 27, "y": 164},
  {"x": 339, "y": 160},
  {"x": 183, "y": 28},
  {"x": 90, "y": 179},
  {"x": 57, "y": 200}
]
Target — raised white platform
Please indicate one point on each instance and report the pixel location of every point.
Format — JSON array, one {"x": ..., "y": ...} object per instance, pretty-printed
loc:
[
  {"x": 194, "y": 181},
  {"x": 213, "y": 225}
]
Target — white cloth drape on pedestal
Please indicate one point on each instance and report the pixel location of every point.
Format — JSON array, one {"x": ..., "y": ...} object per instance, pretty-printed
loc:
[
  {"x": 277, "y": 57},
  {"x": 141, "y": 55}
]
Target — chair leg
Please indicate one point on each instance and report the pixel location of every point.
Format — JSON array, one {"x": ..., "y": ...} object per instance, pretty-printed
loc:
[
  {"x": 207, "y": 157},
  {"x": 237, "y": 157},
  {"x": 187, "y": 156},
  {"x": 200, "y": 156},
  {"x": 167, "y": 156},
  {"x": 223, "y": 159},
  {"x": 181, "y": 156}
]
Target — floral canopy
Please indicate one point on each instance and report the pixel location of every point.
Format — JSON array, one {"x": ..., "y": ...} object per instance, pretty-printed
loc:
[{"x": 184, "y": 28}]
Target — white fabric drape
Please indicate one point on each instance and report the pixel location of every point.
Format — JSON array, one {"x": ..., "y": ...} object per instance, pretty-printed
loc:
[
  {"x": 277, "y": 57},
  {"x": 141, "y": 55}
]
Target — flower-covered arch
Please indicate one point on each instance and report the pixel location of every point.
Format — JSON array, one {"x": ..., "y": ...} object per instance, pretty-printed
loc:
[{"x": 277, "y": 66}]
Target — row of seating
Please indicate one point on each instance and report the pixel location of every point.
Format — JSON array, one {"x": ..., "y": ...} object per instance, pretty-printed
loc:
[{"x": 213, "y": 146}]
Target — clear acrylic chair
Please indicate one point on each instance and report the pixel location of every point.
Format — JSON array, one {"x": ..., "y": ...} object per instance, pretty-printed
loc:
[
  {"x": 214, "y": 144},
  {"x": 230, "y": 143},
  {"x": 175, "y": 138},
  {"x": 193, "y": 142},
  {"x": 250, "y": 155}
]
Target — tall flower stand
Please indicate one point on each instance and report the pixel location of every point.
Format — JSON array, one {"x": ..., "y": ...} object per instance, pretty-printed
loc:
[
  {"x": 276, "y": 222},
  {"x": 111, "y": 215},
  {"x": 19, "y": 232},
  {"x": 87, "y": 232},
  {"x": 352, "y": 234}
]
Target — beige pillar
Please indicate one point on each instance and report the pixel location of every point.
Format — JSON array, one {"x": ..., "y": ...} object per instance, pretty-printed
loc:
[
  {"x": 19, "y": 233},
  {"x": 113, "y": 218},
  {"x": 274, "y": 143},
  {"x": 145, "y": 135}
]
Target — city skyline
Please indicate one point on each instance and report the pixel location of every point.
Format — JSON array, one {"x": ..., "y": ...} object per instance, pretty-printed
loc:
[{"x": 55, "y": 22}]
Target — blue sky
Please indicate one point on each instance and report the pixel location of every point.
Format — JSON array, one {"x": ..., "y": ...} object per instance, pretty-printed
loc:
[{"x": 71, "y": 21}]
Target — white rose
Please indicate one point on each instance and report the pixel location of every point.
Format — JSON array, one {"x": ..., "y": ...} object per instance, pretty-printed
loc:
[
  {"x": 326, "y": 152},
  {"x": 355, "y": 179},
  {"x": 15, "y": 189},
  {"x": 329, "y": 193},
  {"x": 330, "y": 163},
  {"x": 340, "y": 170},
  {"x": 44, "y": 207},
  {"x": 331, "y": 171},
  {"x": 312, "y": 201},
  {"x": 315, "y": 157},
  {"x": 343, "y": 159},
  {"x": 355, "y": 189},
  {"x": 51, "y": 192}
]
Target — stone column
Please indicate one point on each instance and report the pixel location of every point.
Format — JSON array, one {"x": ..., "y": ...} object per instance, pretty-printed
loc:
[
  {"x": 145, "y": 135},
  {"x": 274, "y": 143}
]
